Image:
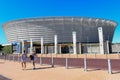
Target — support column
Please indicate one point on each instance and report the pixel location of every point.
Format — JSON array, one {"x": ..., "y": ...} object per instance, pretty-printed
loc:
[
  {"x": 80, "y": 51},
  {"x": 31, "y": 46},
  {"x": 108, "y": 47},
  {"x": 46, "y": 49},
  {"x": 74, "y": 42},
  {"x": 18, "y": 47},
  {"x": 42, "y": 47},
  {"x": 18, "y": 51},
  {"x": 23, "y": 46},
  {"x": 101, "y": 42},
  {"x": 55, "y": 44},
  {"x": 60, "y": 48}
]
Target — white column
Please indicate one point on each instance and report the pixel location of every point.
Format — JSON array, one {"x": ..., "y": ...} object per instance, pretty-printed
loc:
[
  {"x": 101, "y": 42},
  {"x": 60, "y": 48},
  {"x": 45, "y": 49},
  {"x": 42, "y": 47},
  {"x": 90, "y": 48},
  {"x": 31, "y": 46},
  {"x": 18, "y": 47},
  {"x": 55, "y": 44},
  {"x": 23, "y": 46},
  {"x": 74, "y": 43},
  {"x": 80, "y": 51},
  {"x": 108, "y": 47}
]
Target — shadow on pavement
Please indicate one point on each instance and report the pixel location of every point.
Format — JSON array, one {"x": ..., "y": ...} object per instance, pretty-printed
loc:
[
  {"x": 4, "y": 78},
  {"x": 116, "y": 72},
  {"x": 39, "y": 68},
  {"x": 93, "y": 69},
  {"x": 2, "y": 62}
]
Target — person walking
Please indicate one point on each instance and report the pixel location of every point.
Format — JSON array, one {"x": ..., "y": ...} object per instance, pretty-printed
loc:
[
  {"x": 23, "y": 60},
  {"x": 33, "y": 58}
]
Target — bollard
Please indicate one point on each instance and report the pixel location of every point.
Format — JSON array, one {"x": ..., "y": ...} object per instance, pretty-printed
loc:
[
  {"x": 40, "y": 60},
  {"x": 66, "y": 63},
  {"x": 51, "y": 55},
  {"x": 52, "y": 63},
  {"x": 13, "y": 58},
  {"x": 76, "y": 55},
  {"x": 56, "y": 55},
  {"x": 69, "y": 55},
  {"x": 18, "y": 57},
  {"x": 5, "y": 57},
  {"x": 106, "y": 56},
  {"x": 109, "y": 67},
  {"x": 95, "y": 55},
  {"x": 85, "y": 63},
  {"x": 46, "y": 54},
  {"x": 61, "y": 55},
  {"x": 9, "y": 57},
  {"x": 118, "y": 55}
]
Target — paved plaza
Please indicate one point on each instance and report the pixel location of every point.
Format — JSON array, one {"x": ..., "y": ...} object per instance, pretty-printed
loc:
[{"x": 10, "y": 70}]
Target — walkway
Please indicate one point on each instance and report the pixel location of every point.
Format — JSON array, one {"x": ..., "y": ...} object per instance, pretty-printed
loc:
[{"x": 12, "y": 71}]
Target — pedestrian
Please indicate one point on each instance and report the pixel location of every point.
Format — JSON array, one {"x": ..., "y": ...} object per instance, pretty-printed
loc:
[
  {"x": 23, "y": 60},
  {"x": 33, "y": 58}
]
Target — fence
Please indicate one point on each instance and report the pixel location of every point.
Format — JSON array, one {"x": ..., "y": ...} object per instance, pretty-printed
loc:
[{"x": 86, "y": 63}]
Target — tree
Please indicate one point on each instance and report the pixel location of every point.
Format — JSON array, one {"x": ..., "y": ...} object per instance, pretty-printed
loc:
[
  {"x": 7, "y": 49},
  {"x": 1, "y": 47}
]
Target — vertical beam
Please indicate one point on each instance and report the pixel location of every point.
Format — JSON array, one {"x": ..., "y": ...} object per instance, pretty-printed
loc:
[
  {"x": 45, "y": 49},
  {"x": 108, "y": 47},
  {"x": 87, "y": 45},
  {"x": 40, "y": 60},
  {"x": 18, "y": 47},
  {"x": 117, "y": 50},
  {"x": 31, "y": 46},
  {"x": 109, "y": 67},
  {"x": 55, "y": 44},
  {"x": 80, "y": 51},
  {"x": 74, "y": 42},
  {"x": 60, "y": 48},
  {"x": 66, "y": 63},
  {"x": 18, "y": 51},
  {"x": 42, "y": 47},
  {"x": 23, "y": 46},
  {"x": 85, "y": 62},
  {"x": 90, "y": 48},
  {"x": 52, "y": 62},
  {"x": 101, "y": 42}
]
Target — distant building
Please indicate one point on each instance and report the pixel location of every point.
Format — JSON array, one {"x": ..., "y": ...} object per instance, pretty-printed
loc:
[{"x": 86, "y": 33}]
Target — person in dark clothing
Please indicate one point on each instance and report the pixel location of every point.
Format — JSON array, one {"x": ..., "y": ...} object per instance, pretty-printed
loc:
[{"x": 33, "y": 58}]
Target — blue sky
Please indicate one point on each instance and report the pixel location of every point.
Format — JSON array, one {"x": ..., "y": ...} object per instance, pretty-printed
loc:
[{"x": 18, "y": 9}]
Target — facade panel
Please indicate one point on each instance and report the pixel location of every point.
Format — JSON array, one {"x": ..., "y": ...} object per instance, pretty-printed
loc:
[{"x": 35, "y": 28}]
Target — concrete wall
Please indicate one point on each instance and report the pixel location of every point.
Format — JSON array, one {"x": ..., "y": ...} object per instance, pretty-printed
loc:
[{"x": 115, "y": 48}]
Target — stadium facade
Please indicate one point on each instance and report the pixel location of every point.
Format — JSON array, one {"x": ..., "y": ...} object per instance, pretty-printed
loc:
[{"x": 86, "y": 32}]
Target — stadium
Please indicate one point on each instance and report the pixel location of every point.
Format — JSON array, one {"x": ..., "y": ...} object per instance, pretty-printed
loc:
[{"x": 87, "y": 37}]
